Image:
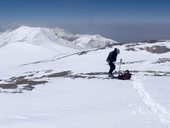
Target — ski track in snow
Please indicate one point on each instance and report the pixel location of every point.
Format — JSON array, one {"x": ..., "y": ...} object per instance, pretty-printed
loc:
[{"x": 156, "y": 108}]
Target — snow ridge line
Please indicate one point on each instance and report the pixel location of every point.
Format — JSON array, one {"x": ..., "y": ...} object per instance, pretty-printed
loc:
[
  {"x": 55, "y": 58},
  {"x": 158, "y": 109}
]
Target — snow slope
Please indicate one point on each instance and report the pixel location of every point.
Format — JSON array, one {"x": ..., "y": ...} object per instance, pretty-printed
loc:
[
  {"x": 85, "y": 98},
  {"x": 77, "y": 103},
  {"x": 16, "y": 54}
]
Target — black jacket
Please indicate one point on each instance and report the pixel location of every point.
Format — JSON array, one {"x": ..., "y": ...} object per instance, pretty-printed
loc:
[{"x": 112, "y": 57}]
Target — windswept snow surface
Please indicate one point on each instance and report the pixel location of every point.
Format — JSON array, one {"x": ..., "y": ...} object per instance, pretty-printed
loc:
[
  {"x": 77, "y": 103},
  {"x": 95, "y": 102}
]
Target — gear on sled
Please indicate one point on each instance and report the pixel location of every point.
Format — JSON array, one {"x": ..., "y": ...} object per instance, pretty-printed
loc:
[{"x": 125, "y": 76}]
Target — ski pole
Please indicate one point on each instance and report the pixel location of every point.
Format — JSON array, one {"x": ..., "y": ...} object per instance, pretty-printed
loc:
[{"x": 120, "y": 66}]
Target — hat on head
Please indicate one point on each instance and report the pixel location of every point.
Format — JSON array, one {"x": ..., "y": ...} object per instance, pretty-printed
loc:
[{"x": 117, "y": 50}]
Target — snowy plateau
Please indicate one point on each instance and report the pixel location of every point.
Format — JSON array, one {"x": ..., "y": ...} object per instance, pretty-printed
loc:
[{"x": 50, "y": 78}]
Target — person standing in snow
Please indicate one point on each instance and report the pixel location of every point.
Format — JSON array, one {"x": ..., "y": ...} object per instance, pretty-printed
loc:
[{"x": 111, "y": 59}]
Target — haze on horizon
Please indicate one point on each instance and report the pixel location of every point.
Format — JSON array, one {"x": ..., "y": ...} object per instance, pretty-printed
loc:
[{"x": 121, "y": 20}]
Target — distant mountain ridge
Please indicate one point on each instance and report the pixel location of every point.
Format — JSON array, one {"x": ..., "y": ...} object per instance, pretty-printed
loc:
[{"x": 53, "y": 38}]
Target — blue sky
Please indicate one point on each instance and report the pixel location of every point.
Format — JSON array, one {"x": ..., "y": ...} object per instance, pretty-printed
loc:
[
  {"x": 97, "y": 11},
  {"x": 77, "y": 15}
]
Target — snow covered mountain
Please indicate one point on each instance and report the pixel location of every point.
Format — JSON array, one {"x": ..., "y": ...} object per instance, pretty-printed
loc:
[
  {"x": 92, "y": 41},
  {"x": 56, "y": 39},
  {"x": 48, "y": 89},
  {"x": 44, "y": 37}
]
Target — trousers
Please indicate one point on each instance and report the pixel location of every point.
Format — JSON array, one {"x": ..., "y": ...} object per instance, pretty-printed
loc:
[{"x": 112, "y": 67}]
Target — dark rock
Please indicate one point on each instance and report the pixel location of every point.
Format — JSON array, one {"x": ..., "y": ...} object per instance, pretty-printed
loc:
[
  {"x": 158, "y": 49},
  {"x": 60, "y": 74},
  {"x": 8, "y": 86}
]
